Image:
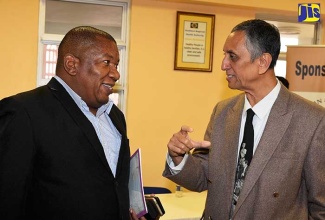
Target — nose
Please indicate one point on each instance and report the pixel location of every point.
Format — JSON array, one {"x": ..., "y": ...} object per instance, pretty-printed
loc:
[
  {"x": 225, "y": 63},
  {"x": 114, "y": 73}
]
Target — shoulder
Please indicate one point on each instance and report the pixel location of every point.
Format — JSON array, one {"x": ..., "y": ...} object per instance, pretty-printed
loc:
[
  {"x": 304, "y": 106},
  {"x": 25, "y": 97},
  {"x": 305, "y": 113},
  {"x": 234, "y": 103},
  {"x": 21, "y": 103}
]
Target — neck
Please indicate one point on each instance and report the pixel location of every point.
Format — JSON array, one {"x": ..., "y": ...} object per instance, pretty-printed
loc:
[{"x": 260, "y": 90}]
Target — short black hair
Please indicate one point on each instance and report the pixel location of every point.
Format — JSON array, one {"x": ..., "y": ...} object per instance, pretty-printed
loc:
[
  {"x": 261, "y": 37},
  {"x": 80, "y": 38}
]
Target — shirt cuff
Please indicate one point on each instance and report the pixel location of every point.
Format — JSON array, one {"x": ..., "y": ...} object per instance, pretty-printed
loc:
[{"x": 175, "y": 169}]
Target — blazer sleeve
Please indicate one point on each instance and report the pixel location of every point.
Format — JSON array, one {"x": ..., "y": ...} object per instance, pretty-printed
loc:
[{"x": 16, "y": 158}]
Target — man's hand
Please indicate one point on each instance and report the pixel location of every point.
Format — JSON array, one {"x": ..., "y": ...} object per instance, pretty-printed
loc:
[
  {"x": 181, "y": 143},
  {"x": 133, "y": 215}
]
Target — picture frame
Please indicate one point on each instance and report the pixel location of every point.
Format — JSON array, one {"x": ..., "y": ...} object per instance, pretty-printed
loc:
[{"x": 194, "y": 41}]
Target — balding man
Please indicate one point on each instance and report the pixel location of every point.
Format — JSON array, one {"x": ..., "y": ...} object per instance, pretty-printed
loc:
[{"x": 64, "y": 151}]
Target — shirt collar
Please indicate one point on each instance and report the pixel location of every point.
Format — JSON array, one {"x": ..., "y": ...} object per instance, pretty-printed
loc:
[
  {"x": 82, "y": 104},
  {"x": 263, "y": 107}
]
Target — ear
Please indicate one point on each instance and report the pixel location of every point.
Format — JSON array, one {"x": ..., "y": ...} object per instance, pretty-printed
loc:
[
  {"x": 264, "y": 62},
  {"x": 70, "y": 64}
]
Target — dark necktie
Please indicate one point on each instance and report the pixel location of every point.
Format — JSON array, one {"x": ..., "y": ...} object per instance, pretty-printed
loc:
[
  {"x": 248, "y": 139},
  {"x": 245, "y": 157}
]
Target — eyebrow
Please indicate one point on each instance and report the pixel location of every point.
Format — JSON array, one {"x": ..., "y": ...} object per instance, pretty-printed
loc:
[
  {"x": 107, "y": 55},
  {"x": 110, "y": 56},
  {"x": 230, "y": 51}
]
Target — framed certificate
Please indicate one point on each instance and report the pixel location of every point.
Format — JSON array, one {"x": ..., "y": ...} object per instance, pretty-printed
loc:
[{"x": 194, "y": 41}]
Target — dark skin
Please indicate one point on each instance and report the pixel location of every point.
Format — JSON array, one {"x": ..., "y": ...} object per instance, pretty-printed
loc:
[
  {"x": 92, "y": 75},
  {"x": 91, "y": 72}
]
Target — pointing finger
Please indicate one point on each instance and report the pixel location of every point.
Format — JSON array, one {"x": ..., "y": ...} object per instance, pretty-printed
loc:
[{"x": 201, "y": 144}]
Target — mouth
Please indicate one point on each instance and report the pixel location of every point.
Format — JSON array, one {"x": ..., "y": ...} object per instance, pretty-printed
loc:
[
  {"x": 229, "y": 76},
  {"x": 109, "y": 87}
]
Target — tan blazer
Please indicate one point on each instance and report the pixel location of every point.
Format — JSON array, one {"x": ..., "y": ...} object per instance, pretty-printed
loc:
[{"x": 286, "y": 178}]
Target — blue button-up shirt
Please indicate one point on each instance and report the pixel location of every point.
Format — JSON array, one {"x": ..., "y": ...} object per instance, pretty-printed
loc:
[{"x": 107, "y": 133}]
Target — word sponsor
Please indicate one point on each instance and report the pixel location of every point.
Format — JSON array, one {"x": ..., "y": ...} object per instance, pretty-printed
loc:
[{"x": 309, "y": 70}]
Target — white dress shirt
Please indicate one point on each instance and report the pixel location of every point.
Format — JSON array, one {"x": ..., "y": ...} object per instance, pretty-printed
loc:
[{"x": 262, "y": 111}]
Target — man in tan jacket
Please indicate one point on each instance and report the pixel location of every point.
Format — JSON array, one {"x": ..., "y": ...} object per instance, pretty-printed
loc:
[{"x": 286, "y": 176}]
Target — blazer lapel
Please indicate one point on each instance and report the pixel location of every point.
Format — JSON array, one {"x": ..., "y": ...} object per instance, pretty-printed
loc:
[
  {"x": 79, "y": 118},
  {"x": 229, "y": 152},
  {"x": 275, "y": 128}
]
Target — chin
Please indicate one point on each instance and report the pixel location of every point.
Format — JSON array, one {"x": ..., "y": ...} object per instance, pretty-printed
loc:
[
  {"x": 103, "y": 100},
  {"x": 231, "y": 86},
  {"x": 234, "y": 86}
]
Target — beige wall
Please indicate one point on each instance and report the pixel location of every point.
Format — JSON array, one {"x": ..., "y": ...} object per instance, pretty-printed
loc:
[
  {"x": 160, "y": 99},
  {"x": 18, "y": 45}
]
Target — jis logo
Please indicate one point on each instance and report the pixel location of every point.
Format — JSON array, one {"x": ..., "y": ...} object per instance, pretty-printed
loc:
[{"x": 309, "y": 12}]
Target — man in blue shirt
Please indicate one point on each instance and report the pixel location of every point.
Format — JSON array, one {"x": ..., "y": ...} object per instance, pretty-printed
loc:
[{"x": 64, "y": 150}]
